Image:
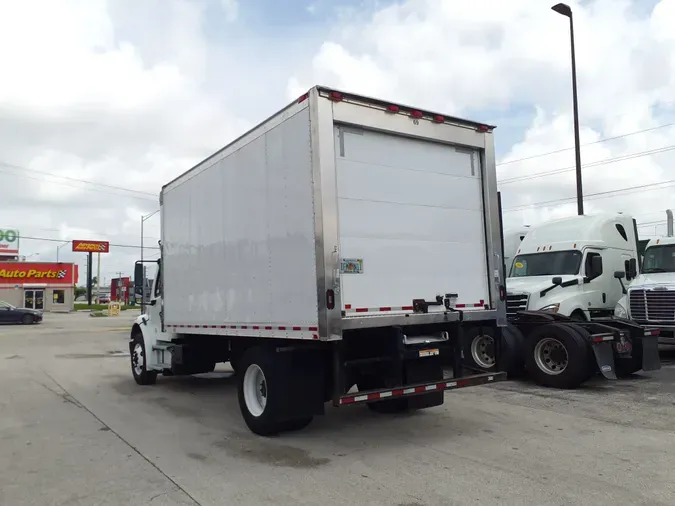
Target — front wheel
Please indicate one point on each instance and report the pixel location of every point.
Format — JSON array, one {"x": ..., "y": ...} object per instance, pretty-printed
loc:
[
  {"x": 557, "y": 356},
  {"x": 139, "y": 362},
  {"x": 27, "y": 319}
]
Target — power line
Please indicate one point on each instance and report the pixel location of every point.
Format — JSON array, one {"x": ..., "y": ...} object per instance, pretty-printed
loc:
[
  {"x": 64, "y": 240},
  {"x": 597, "y": 163},
  {"x": 74, "y": 179},
  {"x": 594, "y": 196},
  {"x": 587, "y": 144}
]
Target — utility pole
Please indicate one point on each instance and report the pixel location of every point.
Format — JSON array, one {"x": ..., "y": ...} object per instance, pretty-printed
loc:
[{"x": 98, "y": 277}]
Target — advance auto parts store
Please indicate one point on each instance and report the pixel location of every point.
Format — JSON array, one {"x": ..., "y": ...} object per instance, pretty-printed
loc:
[{"x": 39, "y": 285}]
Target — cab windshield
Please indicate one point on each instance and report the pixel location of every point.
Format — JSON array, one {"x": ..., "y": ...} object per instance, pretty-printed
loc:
[
  {"x": 553, "y": 263},
  {"x": 659, "y": 259}
]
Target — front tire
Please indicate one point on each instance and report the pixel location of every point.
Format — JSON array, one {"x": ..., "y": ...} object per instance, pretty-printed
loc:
[
  {"x": 27, "y": 319},
  {"x": 139, "y": 362},
  {"x": 557, "y": 356}
]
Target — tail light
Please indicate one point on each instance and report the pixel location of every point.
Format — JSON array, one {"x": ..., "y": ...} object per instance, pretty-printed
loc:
[
  {"x": 502, "y": 293},
  {"x": 330, "y": 299}
]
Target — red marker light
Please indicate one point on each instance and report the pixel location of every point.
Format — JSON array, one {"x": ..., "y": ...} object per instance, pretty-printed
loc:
[
  {"x": 483, "y": 128},
  {"x": 335, "y": 96},
  {"x": 439, "y": 119},
  {"x": 393, "y": 108},
  {"x": 303, "y": 98},
  {"x": 416, "y": 114}
]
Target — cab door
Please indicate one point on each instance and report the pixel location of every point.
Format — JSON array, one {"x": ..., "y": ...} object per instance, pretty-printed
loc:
[{"x": 595, "y": 280}]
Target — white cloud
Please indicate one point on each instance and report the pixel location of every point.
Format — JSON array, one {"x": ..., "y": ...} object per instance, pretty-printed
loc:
[
  {"x": 473, "y": 57},
  {"x": 231, "y": 8}
]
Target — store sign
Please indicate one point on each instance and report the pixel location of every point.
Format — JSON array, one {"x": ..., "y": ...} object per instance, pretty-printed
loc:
[
  {"x": 20, "y": 273},
  {"x": 9, "y": 242},
  {"x": 91, "y": 246}
]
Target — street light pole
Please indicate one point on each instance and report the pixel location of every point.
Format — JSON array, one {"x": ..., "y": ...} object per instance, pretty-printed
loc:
[
  {"x": 58, "y": 248},
  {"x": 566, "y": 11}
]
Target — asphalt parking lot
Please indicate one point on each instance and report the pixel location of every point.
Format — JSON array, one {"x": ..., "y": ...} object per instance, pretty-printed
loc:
[{"x": 76, "y": 430}]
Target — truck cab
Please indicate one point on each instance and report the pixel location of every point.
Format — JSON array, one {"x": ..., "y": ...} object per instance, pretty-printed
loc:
[
  {"x": 512, "y": 239},
  {"x": 568, "y": 266},
  {"x": 650, "y": 300}
]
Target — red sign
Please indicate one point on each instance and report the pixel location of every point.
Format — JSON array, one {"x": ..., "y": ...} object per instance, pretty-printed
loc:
[
  {"x": 91, "y": 246},
  {"x": 21, "y": 273}
]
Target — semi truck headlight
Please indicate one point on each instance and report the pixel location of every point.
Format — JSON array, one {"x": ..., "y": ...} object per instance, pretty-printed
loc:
[
  {"x": 620, "y": 311},
  {"x": 553, "y": 308}
]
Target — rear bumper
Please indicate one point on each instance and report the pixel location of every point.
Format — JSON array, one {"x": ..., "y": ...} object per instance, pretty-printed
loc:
[
  {"x": 370, "y": 320},
  {"x": 421, "y": 389}
]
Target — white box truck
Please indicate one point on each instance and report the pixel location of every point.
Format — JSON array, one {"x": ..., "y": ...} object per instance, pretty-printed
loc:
[{"x": 333, "y": 252}]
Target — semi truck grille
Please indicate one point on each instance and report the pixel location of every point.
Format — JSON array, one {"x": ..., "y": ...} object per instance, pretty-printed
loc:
[
  {"x": 652, "y": 305},
  {"x": 515, "y": 303}
]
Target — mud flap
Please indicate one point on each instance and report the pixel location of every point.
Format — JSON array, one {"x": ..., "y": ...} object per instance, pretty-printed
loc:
[
  {"x": 604, "y": 356},
  {"x": 650, "y": 353}
]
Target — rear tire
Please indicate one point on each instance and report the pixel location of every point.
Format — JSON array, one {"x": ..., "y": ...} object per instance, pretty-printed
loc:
[
  {"x": 479, "y": 350},
  {"x": 557, "y": 356},
  {"x": 139, "y": 362},
  {"x": 261, "y": 395}
]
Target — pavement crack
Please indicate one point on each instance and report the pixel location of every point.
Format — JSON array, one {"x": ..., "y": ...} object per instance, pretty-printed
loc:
[{"x": 70, "y": 398}]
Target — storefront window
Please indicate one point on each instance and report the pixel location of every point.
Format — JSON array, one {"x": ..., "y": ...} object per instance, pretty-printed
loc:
[{"x": 59, "y": 296}]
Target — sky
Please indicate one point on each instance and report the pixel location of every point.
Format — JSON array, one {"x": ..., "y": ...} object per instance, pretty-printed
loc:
[{"x": 102, "y": 102}]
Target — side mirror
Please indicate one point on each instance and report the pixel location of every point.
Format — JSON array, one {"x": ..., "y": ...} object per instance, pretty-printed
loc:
[
  {"x": 138, "y": 277},
  {"x": 632, "y": 268},
  {"x": 619, "y": 274},
  {"x": 557, "y": 281},
  {"x": 596, "y": 266},
  {"x": 153, "y": 302}
]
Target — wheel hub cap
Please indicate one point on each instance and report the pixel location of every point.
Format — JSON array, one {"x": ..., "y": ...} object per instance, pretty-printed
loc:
[{"x": 483, "y": 351}]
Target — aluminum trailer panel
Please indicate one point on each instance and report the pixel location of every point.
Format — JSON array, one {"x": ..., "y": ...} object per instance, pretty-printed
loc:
[
  {"x": 262, "y": 236},
  {"x": 238, "y": 234}
]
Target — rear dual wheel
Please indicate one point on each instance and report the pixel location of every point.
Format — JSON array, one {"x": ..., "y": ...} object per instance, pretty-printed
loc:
[
  {"x": 557, "y": 355},
  {"x": 479, "y": 350},
  {"x": 260, "y": 395}
]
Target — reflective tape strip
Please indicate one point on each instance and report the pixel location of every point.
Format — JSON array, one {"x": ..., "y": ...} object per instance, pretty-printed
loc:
[
  {"x": 444, "y": 385},
  {"x": 256, "y": 328},
  {"x": 385, "y": 309}
]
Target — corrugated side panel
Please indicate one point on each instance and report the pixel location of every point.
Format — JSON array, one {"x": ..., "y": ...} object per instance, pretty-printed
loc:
[
  {"x": 239, "y": 237},
  {"x": 412, "y": 211}
]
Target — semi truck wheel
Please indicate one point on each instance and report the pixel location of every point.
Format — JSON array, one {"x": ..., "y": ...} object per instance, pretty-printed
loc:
[
  {"x": 557, "y": 356},
  {"x": 261, "y": 393},
  {"x": 479, "y": 350},
  {"x": 139, "y": 361}
]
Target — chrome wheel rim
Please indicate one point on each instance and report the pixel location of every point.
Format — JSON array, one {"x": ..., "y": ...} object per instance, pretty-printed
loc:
[
  {"x": 255, "y": 390},
  {"x": 551, "y": 356},
  {"x": 482, "y": 351}
]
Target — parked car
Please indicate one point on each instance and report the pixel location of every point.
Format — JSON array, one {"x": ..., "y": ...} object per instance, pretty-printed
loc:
[{"x": 12, "y": 314}]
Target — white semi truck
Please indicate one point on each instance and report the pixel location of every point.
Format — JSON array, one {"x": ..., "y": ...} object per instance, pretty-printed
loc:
[
  {"x": 569, "y": 270},
  {"x": 345, "y": 241},
  {"x": 512, "y": 239},
  {"x": 650, "y": 297}
]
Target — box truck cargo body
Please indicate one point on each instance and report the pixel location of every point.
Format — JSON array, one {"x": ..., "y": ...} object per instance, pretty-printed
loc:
[{"x": 365, "y": 229}]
